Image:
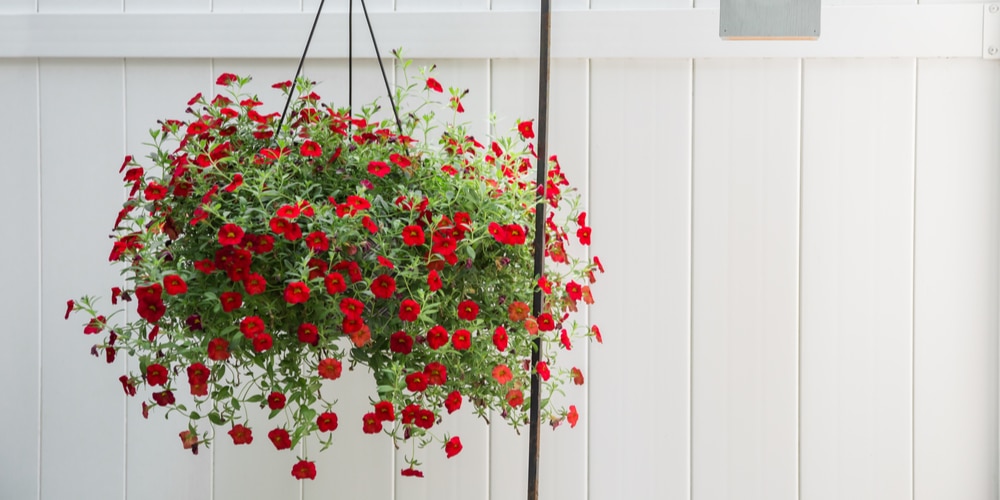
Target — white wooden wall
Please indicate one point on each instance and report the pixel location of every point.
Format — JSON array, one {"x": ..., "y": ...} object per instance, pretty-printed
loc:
[{"x": 801, "y": 302}]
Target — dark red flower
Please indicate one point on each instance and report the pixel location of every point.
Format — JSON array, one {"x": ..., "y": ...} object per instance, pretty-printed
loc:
[
  {"x": 453, "y": 402},
  {"x": 174, "y": 285},
  {"x": 327, "y": 422},
  {"x": 433, "y": 281},
  {"x": 545, "y": 322},
  {"x": 372, "y": 425},
  {"x": 296, "y": 293},
  {"x": 334, "y": 283},
  {"x": 154, "y": 191},
  {"x": 424, "y": 419},
  {"x": 384, "y": 411},
  {"x": 279, "y": 225},
  {"x": 409, "y": 309},
  {"x": 468, "y": 310},
  {"x": 69, "y": 308},
  {"x": 241, "y": 434},
  {"x": 383, "y": 286},
  {"x": 127, "y": 385},
  {"x": 230, "y": 234},
  {"x": 453, "y": 447},
  {"x": 500, "y": 338},
  {"x": 262, "y": 244},
  {"x": 280, "y": 439},
  {"x": 226, "y": 79},
  {"x": 164, "y": 398},
  {"x": 400, "y": 160},
  {"x": 369, "y": 224},
  {"x": 96, "y": 325},
  {"x": 151, "y": 310},
  {"x": 378, "y": 168},
  {"x": 411, "y": 472},
  {"x": 564, "y": 339},
  {"x": 254, "y": 284},
  {"x": 235, "y": 183},
  {"x": 156, "y": 374},
  {"x": 413, "y": 235},
  {"x": 262, "y": 342},
  {"x": 293, "y": 232},
  {"x": 251, "y": 326},
  {"x": 461, "y": 340},
  {"x": 515, "y": 234},
  {"x": 198, "y": 373},
  {"x": 308, "y": 333},
  {"x": 231, "y": 301},
  {"x": 437, "y": 337},
  {"x": 498, "y": 232},
  {"x": 276, "y": 401},
  {"x": 330, "y": 368},
  {"x": 576, "y": 375},
  {"x": 310, "y": 148},
  {"x": 218, "y": 349},
  {"x": 525, "y": 129},
  {"x": 437, "y": 374},
  {"x": 205, "y": 265},
  {"x": 288, "y": 211},
  {"x": 282, "y": 85},
  {"x": 317, "y": 241},
  {"x": 436, "y": 87},
  {"x": 352, "y": 307},
  {"x": 304, "y": 470},
  {"x": 401, "y": 342},
  {"x": 416, "y": 382}
]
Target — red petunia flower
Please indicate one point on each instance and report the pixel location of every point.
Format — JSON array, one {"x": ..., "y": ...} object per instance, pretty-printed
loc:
[
  {"x": 546, "y": 323},
  {"x": 411, "y": 472},
  {"x": 327, "y": 422},
  {"x": 597, "y": 333},
  {"x": 174, "y": 285},
  {"x": 543, "y": 370},
  {"x": 437, "y": 337},
  {"x": 574, "y": 291},
  {"x": 241, "y": 434},
  {"x": 424, "y": 419},
  {"x": 254, "y": 284},
  {"x": 154, "y": 192},
  {"x": 456, "y": 104},
  {"x": 584, "y": 235},
  {"x": 369, "y": 224},
  {"x": 384, "y": 262},
  {"x": 231, "y": 301},
  {"x": 502, "y": 374},
  {"x": 69, "y": 308},
  {"x": 262, "y": 342},
  {"x": 461, "y": 340},
  {"x": 304, "y": 470},
  {"x": 515, "y": 234},
  {"x": 413, "y": 235},
  {"x": 280, "y": 439},
  {"x": 205, "y": 265},
  {"x": 308, "y": 333},
  {"x": 164, "y": 398},
  {"x": 433, "y": 281},
  {"x": 151, "y": 310},
  {"x": 453, "y": 402},
  {"x": 572, "y": 417},
  {"x": 436, "y": 87},
  {"x": 468, "y": 310},
  {"x": 127, "y": 386},
  {"x": 515, "y": 397},
  {"x": 383, "y": 286},
  {"x": 226, "y": 78},
  {"x": 498, "y": 232},
  {"x": 500, "y": 338},
  {"x": 230, "y": 234},
  {"x": 317, "y": 241},
  {"x": 401, "y": 343},
  {"x": 218, "y": 349},
  {"x": 96, "y": 325},
  {"x": 453, "y": 447},
  {"x": 378, "y": 168},
  {"x": 189, "y": 441},
  {"x": 525, "y": 129},
  {"x": 352, "y": 308},
  {"x": 235, "y": 183},
  {"x": 577, "y": 376},
  {"x": 156, "y": 374},
  {"x": 400, "y": 160},
  {"x": 409, "y": 310},
  {"x": 416, "y": 382},
  {"x": 296, "y": 293},
  {"x": 330, "y": 368},
  {"x": 276, "y": 401},
  {"x": 372, "y": 425},
  {"x": 282, "y": 85},
  {"x": 334, "y": 283},
  {"x": 437, "y": 374},
  {"x": 517, "y": 311},
  {"x": 288, "y": 212},
  {"x": 311, "y": 149},
  {"x": 384, "y": 411}
]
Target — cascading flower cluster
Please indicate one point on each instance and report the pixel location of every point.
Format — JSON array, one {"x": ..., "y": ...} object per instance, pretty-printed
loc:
[{"x": 261, "y": 261}]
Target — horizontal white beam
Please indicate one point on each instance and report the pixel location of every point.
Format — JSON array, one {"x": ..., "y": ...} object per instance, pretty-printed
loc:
[{"x": 948, "y": 30}]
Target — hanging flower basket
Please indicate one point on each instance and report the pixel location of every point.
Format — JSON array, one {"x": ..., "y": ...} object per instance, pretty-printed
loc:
[{"x": 262, "y": 262}]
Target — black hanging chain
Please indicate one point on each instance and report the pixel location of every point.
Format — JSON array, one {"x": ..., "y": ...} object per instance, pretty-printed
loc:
[
  {"x": 298, "y": 70},
  {"x": 350, "y": 65},
  {"x": 538, "y": 301}
]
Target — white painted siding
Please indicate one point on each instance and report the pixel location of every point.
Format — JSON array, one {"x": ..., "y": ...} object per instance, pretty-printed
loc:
[{"x": 803, "y": 262}]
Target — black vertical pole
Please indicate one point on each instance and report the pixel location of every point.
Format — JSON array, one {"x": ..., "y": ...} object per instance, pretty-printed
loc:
[{"x": 538, "y": 299}]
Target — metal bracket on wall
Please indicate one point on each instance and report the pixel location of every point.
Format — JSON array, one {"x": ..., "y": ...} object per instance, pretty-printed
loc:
[{"x": 991, "y": 31}]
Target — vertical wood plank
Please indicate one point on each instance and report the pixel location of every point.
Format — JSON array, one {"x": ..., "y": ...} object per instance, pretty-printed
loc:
[
  {"x": 514, "y": 94},
  {"x": 640, "y": 178},
  {"x": 65, "y": 6},
  {"x": 955, "y": 279},
  {"x": 159, "y": 90},
  {"x": 745, "y": 290},
  {"x": 20, "y": 266},
  {"x": 856, "y": 299},
  {"x": 83, "y": 408}
]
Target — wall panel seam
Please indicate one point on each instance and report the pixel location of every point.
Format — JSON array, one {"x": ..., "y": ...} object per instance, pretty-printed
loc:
[
  {"x": 913, "y": 286},
  {"x": 691, "y": 204},
  {"x": 38, "y": 173}
]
